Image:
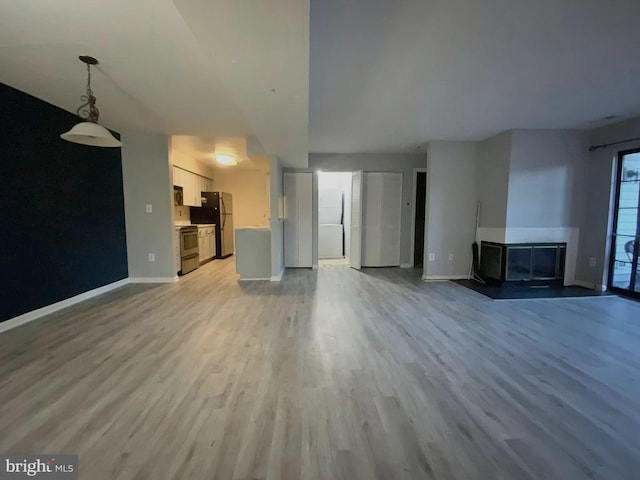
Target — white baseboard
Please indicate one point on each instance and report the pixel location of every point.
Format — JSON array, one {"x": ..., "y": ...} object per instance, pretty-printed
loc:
[
  {"x": 591, "y": 286},
  {"x": 406, "y": 265},
  {"x": 277, "y": 278},
  {"x": 153, "y": 279},
  {"x": 443, "y": 278},
  {"x": 54, "y": 307},
  {"x": 253, "y": 279}
]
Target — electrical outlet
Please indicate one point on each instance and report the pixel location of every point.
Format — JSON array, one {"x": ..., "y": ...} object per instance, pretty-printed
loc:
[
  {"x": 451, "y": 257},
  {"x": 432, "y": 257},
  {"x": 152, "y": 257},
  {"x": 592, "y": 261},
  {"x": 149, "y": 208}
]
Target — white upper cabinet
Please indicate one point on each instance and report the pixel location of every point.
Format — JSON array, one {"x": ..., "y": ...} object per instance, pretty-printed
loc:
[
  {"x": 177, "y": 177},
  {"x": 206, "y": 184},
  {"x": 193, "y": 193},
  {"x": 192, "y": 186}
]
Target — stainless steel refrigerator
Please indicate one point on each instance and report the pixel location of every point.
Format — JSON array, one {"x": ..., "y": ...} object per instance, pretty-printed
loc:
[{"x": 217, "y": 208}]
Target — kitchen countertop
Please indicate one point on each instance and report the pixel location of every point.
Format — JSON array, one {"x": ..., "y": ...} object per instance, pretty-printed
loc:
[{"x": 178, "y": 226}]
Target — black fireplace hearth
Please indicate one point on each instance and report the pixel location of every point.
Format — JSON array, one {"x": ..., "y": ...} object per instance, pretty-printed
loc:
[{"x": 523, "y": 263}]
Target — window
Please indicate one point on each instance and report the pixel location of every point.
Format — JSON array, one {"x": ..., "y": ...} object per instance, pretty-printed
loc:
[{"x": 624, "y": 271}]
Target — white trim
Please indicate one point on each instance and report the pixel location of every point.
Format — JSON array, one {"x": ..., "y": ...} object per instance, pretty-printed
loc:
[
  {"x": 54, "y": 307},
  {"x": 443, "y": 278},
  {"x": 582, "y": 283},
  {"x": 153, "y": 279},
  {"x": 277, "y": 278},
  {"x": 412, "y": 249},
  {"x": 253, "y": 279},
  {"x": 487, "y": 234},
  {"x": 314, "y": 267},
  {"x": 406, "y": 265}
]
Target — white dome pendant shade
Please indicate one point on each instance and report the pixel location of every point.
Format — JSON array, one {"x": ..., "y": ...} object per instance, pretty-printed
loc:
[{"x": 90, "y": 132}]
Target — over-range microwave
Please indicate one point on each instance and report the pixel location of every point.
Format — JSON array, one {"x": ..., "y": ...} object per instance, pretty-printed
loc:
[{"x": 178, "y": 196}]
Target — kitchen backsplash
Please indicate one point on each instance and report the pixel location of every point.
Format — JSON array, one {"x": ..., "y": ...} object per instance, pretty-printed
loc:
[{"x": 181, "y": 214}]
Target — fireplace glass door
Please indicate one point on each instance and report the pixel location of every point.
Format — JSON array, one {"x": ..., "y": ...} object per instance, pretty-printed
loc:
[{"x": 624, "y": 271}]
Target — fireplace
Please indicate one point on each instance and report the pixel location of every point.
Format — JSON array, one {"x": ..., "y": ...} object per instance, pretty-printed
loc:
[{"x": 523, "y": 263}]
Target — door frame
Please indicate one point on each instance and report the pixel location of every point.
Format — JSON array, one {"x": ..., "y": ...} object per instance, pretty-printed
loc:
[
  {"x": 412, "y": 250},
  {"x": 357, "y": 265},
  {"x": 303, "y": 195},
  {"x": 612, "y": 250}
]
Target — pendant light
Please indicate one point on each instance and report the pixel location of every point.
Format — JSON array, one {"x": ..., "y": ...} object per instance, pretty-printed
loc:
[{"x": 90, "y": 132}]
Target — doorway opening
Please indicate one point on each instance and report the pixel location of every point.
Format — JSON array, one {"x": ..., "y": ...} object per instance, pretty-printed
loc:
[
  {"x": 334, "y": 219},
  {"x": 624, "y": 269},
  {"x": 419, "y": 218}
]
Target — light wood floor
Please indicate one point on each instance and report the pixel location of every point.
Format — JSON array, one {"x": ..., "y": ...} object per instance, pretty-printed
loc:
[{"x": 331, "y": 374}]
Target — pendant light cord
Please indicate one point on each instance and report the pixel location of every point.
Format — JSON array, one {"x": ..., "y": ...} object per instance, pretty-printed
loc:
[{"x": 92, "y": 113}]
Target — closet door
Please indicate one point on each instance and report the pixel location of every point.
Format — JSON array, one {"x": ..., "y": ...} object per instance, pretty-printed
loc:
[
  {"x": 382, "y": 211},
  {"x": 355, "y": 253},
  {"x": 298, "y": 229}
]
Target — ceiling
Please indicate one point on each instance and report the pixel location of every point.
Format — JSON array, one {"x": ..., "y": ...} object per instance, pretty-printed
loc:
[
  {"x": 348, "y": 76},
  {"x": 195, "y": 67},
  {"x": 203, "y": 149},
  {"x": 389, "y": 76}
]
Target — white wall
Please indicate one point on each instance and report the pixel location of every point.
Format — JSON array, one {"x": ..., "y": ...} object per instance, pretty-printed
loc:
[
  {"x": 546, "y": 190},
  {"x": 146, "y": 175},
  {"x": 249, "y": 189},
  {"x": 493, "y": 180},
  {"x": 182, "y": 214},
  {"x": 403, "y": 163},
  {"x": 187, "y": 162},
  {"x": 546, "y": 178},
  {"x": 452, "y": 197}
]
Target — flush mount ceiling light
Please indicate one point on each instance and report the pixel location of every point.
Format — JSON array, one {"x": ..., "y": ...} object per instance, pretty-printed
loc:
[
  {"x": 90, "y": 132},
  {"x": 226, "y": 160}
]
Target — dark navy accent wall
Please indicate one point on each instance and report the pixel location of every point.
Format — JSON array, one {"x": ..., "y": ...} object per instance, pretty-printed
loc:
[{"x": 62, "y": 226}]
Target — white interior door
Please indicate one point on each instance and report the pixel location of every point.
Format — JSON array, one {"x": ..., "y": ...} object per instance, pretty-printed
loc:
[
  {"x": 355, "y": 252},
  {"x": 347, "y": 218},
  {"x": 298, "y": 225},
  {"x": 382, "y": 212}
]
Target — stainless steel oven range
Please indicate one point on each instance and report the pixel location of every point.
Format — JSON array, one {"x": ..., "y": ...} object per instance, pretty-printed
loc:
[{"x": 189, "y": 253}]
